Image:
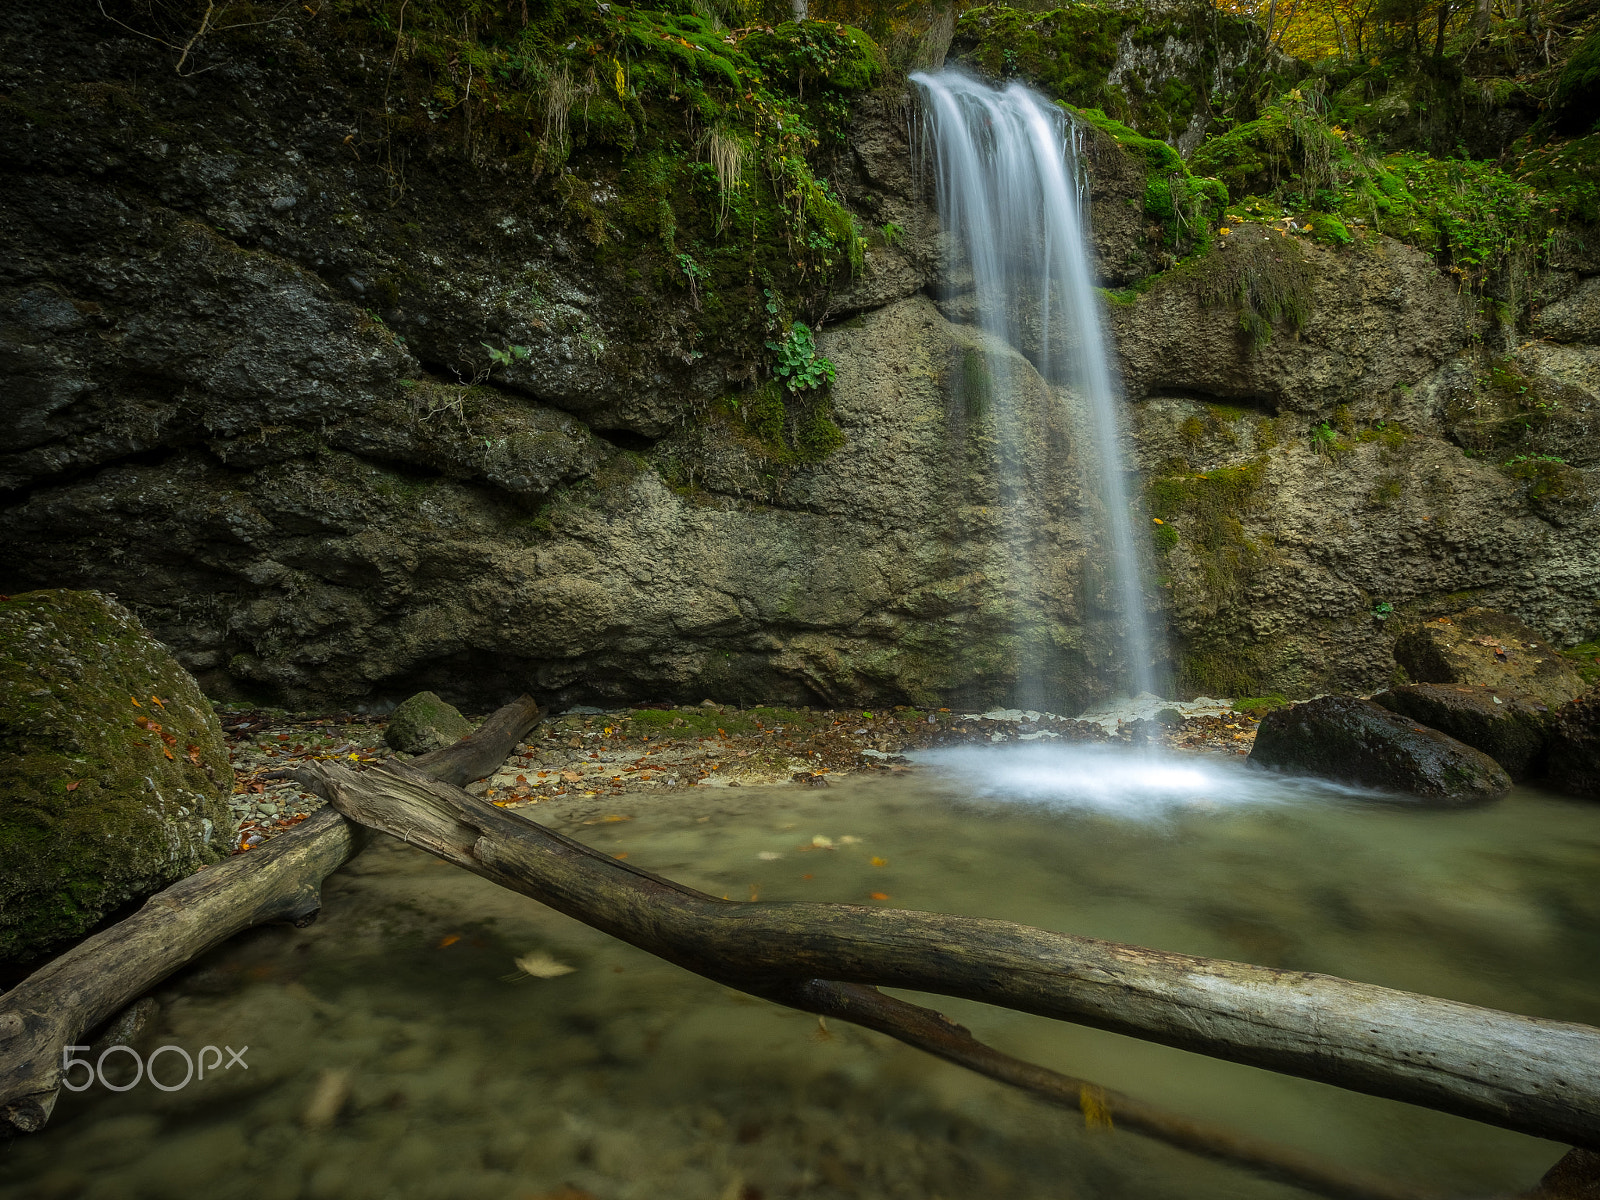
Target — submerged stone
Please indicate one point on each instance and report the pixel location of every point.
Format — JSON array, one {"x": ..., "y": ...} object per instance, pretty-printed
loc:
[
  {"x": 424, "y": 724},
  {"x": 113, "y": 771},
  {"x": 1510, "y": 728},
  {"x": 1362, "y": 743}
]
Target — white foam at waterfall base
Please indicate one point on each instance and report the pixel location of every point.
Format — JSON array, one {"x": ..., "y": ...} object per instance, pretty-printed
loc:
[{"x": 1134, "y": 783}]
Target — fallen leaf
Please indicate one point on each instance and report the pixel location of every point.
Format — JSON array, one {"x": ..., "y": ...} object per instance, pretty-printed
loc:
[
  {"x": 877, "y": 895},
  {"x": 539, "y": 965},
  {"x": 449, "y": 939},
  {"x": 73, "y": 786},
  {"x": 135, "y": 701},
  {"x": 879, "y": 862},
  {"x": 157, "y": 701},
  {"x": 624, "y": 854}
]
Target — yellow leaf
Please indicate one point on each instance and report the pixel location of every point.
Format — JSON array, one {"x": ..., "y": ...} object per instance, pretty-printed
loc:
[
  {"x": 1224, "y": 229},
  {"x": 621, "y": 79},
  {"x": 1158, "y": 520},
  {"x": 879, "y": 862},
  {"x": 1096, "y": 1112},
  {"x": 539, "y": 965}
]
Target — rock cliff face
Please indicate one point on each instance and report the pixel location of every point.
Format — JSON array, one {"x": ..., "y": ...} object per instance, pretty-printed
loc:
[{"x": 248, "y": 391}]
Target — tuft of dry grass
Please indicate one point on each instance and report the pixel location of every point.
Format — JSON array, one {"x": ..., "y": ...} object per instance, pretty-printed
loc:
[{"x": 727, "y": 159}]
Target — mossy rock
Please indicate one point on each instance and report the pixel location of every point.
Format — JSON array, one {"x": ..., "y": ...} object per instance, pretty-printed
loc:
[
  {"x": 1576, "y": 103},
  {"x": 424, "y": 724},
  {"x": 114, "y": 775}
]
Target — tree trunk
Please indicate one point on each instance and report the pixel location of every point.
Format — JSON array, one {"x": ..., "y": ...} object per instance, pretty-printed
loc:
[
  {"x": 74, "y": 994},
  {"x": 1523, "y": 1073}
]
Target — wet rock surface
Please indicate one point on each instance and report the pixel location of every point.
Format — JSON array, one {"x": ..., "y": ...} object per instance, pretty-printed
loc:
[
  {"x": 1359, "y": 742},
  {"x": 1487, "y": 649},
  {"x": 250, "y": 394},
  {"x": 423, "y": 724},
  {"x": 1573, "y": 757},
  {"x": 1510, "y": 728},
  {"x": 113, "y": 770}
]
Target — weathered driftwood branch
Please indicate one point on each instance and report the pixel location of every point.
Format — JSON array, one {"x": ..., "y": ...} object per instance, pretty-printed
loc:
[
  {"x": 1535, "y": 1076},
  {"x": 281, "y": 881}
]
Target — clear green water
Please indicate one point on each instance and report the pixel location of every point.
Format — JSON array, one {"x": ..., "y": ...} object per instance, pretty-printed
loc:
[{"x": 630, "y": 1078}]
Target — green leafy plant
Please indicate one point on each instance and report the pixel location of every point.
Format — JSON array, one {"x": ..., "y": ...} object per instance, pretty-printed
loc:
[
  {"x": 504, "y": 358},
  {"x": 892, "y": 233},
  {"x": 694, "y": 272},
  {"x": 799, "y": 367},
  {"x": 1325, "y": 440},
  {"x": 1382, "y": 612}
]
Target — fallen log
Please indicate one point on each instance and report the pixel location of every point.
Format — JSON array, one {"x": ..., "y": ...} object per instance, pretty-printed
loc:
[
  {"x": 936, "y": 1034},
  {"x": 1527, "y": 1074},
  {"x": 280, "y": 881}
]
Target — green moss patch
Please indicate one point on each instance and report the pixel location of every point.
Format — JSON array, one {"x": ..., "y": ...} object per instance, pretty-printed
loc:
[{"x": 113, "y": 771}]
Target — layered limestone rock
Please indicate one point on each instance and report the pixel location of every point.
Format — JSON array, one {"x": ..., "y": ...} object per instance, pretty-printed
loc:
[{"x": 251, "y": 393}]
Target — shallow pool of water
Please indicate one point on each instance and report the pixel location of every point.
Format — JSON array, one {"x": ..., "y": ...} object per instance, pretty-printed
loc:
[{"x": 443, "y": 1070}]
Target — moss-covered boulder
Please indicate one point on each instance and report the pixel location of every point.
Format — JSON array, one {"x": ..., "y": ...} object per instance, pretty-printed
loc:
[
  {"x": 113, "y": 772},
  {"x": 1484, "y": 648},
  {"x": 425, "y": 723}
]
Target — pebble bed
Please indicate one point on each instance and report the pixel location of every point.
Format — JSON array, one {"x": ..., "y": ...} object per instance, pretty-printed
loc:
[{"x": 587, "y": 753}]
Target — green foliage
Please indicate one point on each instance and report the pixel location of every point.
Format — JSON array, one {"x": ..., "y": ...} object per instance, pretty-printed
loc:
[
  {"x": 799, "y": 367},
  {"x": 1383, "y": 611},
  {"x": 975, "y": 383},
  {"x": 1068, "y": 54},
  {"x": 504, "y": 358},
  {"x": 1268, "y": 281},
  {"x": 1585, "y": 659},
  {"x": 1552, "y": 484},
  {"x": 787, "y": 429},
  {"x": 1478, "y": 218},
  {"x": 1326, "y": 442},
  {"x": 1204, "y": 513},
  {"x": 1186, "y": 206},
  {"x": 1260, "y": 706}
]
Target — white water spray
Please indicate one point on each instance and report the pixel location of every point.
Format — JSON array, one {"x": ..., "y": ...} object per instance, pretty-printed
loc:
[{"x": 1006, "y": 162}]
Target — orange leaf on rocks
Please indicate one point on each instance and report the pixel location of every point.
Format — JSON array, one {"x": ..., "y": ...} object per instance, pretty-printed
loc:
[
  {"x": 449, "y": 939},
  {"x": 73, "y": 786}
]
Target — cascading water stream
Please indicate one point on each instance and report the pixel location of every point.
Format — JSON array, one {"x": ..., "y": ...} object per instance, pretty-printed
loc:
[{"x": 1008, "y": 185}]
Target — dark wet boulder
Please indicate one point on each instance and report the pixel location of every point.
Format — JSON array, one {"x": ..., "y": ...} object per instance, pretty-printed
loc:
[
  {"x": 1481, "y": 647},
  {"x": 1572, "y": 762},
  {"x": 1510, "y": 728},
  {"x": 1362, "y": 743},
  {"x": 424, "y": 724},
  {"x": 114, "y": 776}
]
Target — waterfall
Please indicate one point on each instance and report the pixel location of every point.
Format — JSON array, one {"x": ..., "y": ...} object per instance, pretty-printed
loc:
[{"x": 1009, "y": 187}]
